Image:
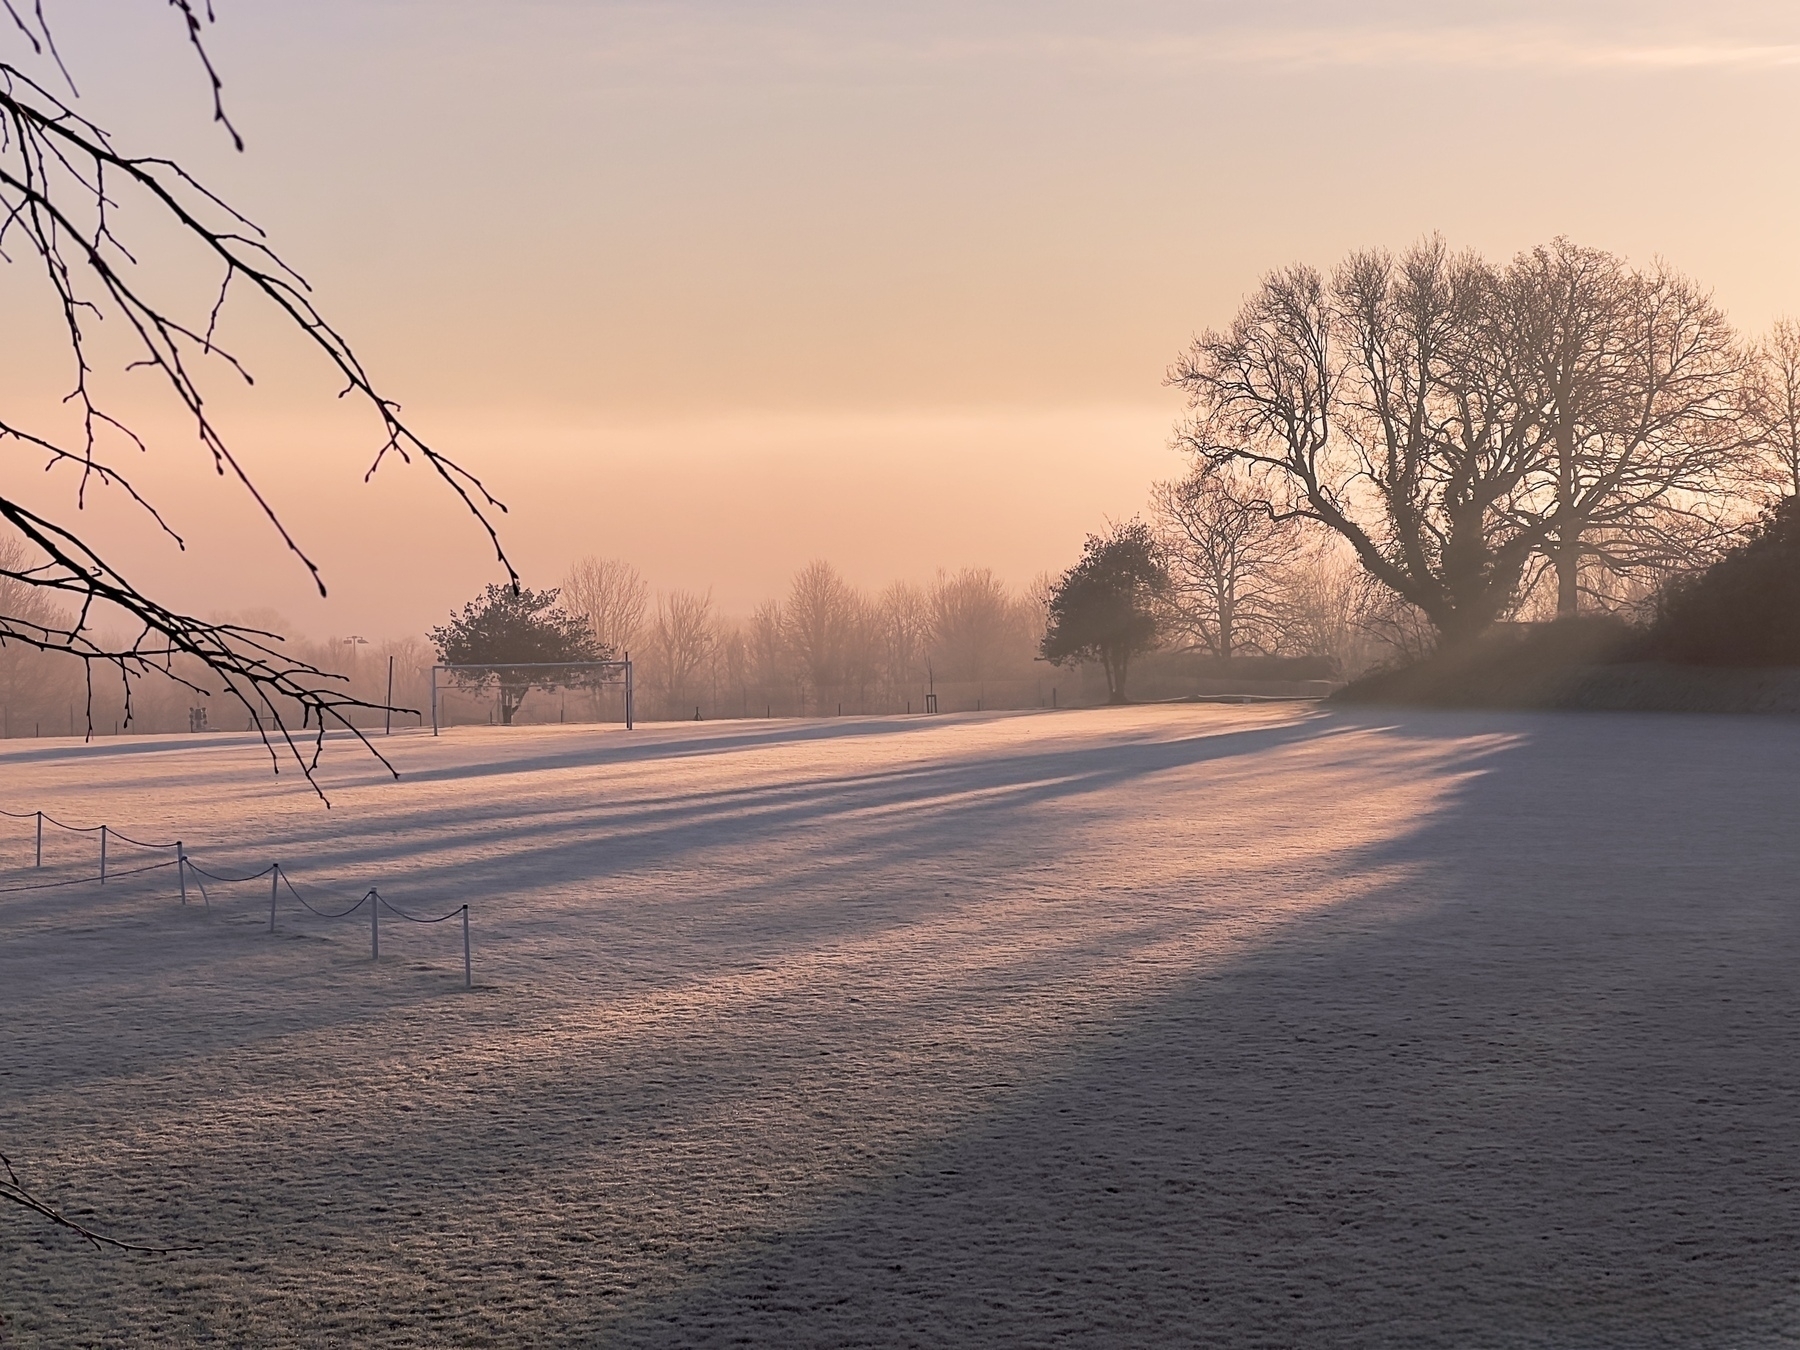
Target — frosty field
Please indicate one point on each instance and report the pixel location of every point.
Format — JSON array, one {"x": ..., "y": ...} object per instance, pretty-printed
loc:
[{"x": 1157, "y": 1026}]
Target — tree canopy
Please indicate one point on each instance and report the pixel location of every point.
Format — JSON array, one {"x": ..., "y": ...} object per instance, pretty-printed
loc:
[
  {"x": 523, "y": 634},
  {"x": 1104, "y": 607}
]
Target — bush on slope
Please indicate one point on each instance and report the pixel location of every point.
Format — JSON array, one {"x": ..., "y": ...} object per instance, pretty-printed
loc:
[{"x": 1742, "y": 611}]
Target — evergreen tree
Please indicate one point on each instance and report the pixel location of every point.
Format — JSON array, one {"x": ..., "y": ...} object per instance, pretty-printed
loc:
[
  {"x": 1103, "y": 608},
  {"x": 524, "y": 634}
]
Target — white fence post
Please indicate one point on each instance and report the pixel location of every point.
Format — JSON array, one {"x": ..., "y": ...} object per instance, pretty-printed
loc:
[
  {"x": 374, "y": 925},
  {"x": 40, "y": 841},
  {"x": 103, "y": 855},
  {"x": 181, "y": 869},
  {"x": 468, "y": 976},
  {"x": 274, "y": 884}
]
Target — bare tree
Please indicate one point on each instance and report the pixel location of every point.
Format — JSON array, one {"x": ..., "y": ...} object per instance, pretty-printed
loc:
[
  {"x": 1384, "y": 406},
  {"x": 681, "y": 639},
  {"x": 903, "y": 626},
  {"x": 1227, "y": 555},
  {"x": 769, "y": 656},
  {"x": 973, "y": 624},
  {"x": 611, "y": 595},
  {"x": 819, "y": 623},
  {"x": 99, "y": 221},
  {"x": 1326, "y": 607},
  {"x": 1452, "y": 421},
  {"x": 1399, "y": 632},
  {"x": 730, "y": 662},
  {"x": 1640, "y": 380},
  {"x": 1774, "y": 411}
]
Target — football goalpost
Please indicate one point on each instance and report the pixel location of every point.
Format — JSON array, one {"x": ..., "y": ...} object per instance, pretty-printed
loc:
[{"x": 524, "y": 676}]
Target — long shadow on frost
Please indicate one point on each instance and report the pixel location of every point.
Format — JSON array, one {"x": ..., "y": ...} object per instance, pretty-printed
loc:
[{"x": 1544, "y": 1096}]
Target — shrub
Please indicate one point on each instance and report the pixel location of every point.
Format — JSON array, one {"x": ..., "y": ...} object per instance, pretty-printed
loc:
[{"x": 1744, "y": 610}]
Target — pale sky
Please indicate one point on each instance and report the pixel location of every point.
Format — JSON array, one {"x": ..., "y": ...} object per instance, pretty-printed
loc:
[{"x": 722, "y": 287}]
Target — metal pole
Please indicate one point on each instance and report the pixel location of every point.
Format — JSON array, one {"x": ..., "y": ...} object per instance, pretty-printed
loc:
[
  {"x": 181, "y": 869},
  {"x": 390, "y": 698},
  {"x": 103, "y": 855},
  {"x": 629, "y": 692},
  {"x": 468, "y": 977},
  {"x": 374, "y": 925},
  {"x": 434, "y": 727},
  {"x": 40, "y": 841},
  {"x": 274, "y": 884}
]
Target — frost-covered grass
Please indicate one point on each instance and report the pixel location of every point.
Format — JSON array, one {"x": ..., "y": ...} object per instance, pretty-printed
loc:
[{"x": 1159, "y": 1026}]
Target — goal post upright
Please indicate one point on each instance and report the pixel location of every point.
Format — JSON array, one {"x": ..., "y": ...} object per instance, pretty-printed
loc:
[{"x": 610, "y": 672}]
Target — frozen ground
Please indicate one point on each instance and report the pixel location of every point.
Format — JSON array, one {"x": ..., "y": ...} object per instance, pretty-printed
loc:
[{"x": 1164, "y": 1026}]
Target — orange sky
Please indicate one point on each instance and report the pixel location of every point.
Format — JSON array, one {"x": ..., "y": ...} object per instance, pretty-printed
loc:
[{"x": 720, "y": 288}]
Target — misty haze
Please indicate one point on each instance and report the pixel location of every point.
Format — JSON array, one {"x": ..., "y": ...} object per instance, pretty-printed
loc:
[{"x": 695, "y": 675}]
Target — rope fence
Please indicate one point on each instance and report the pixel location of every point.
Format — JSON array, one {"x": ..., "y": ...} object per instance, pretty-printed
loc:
[{"x": 186, "y": 868}]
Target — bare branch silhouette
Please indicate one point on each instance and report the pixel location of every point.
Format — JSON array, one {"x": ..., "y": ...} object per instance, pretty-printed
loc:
[
  {"x": 65, "y": 187},
  {"x": 11, "y": 1189}
]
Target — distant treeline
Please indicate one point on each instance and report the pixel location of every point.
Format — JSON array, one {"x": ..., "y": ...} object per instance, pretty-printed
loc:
[{"x": 824, "y": 645}]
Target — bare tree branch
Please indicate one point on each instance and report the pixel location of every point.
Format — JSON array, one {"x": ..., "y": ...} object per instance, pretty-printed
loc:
[
  {"x": 11, "y": 1189},
  {"x": 66, "y": 191}
]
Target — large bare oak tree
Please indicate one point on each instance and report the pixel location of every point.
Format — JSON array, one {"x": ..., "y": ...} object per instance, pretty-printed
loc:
[
  {"x": 1463, "y": 426},
  {"x": 1379, "y": 406}
]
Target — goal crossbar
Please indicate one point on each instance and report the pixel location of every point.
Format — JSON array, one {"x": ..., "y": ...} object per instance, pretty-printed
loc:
[{"x": 611, "y": 670}]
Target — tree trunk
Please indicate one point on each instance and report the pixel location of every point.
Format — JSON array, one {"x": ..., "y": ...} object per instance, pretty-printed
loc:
[{"x": 1568, "y": 581}]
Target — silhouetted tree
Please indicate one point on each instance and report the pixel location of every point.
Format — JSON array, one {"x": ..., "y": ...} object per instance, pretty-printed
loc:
[
  {"x": 768, "y": 655},
  {"x": 1774, "y": 408},
  {"x": 611, "y": 595},
  {"x": 681, "y": 638},
  {"x": 729, "y": 660},
  {"x": 1227, "y": 556},
  {"x": 1327, "y": 611},
  {"x": 104, "y": 226},
  {"x": 1385, "y": 406},
  {"x": 903, "y": 636},
  {"x": 820, "y": 622},
  {"x": 1105, "y": 606},
  {"x": 1641, "y": 385},
  {"x": 516, "y": 629},
  {"x": 1468, "y": 428},
  {"x": 972, "y": 619}
]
